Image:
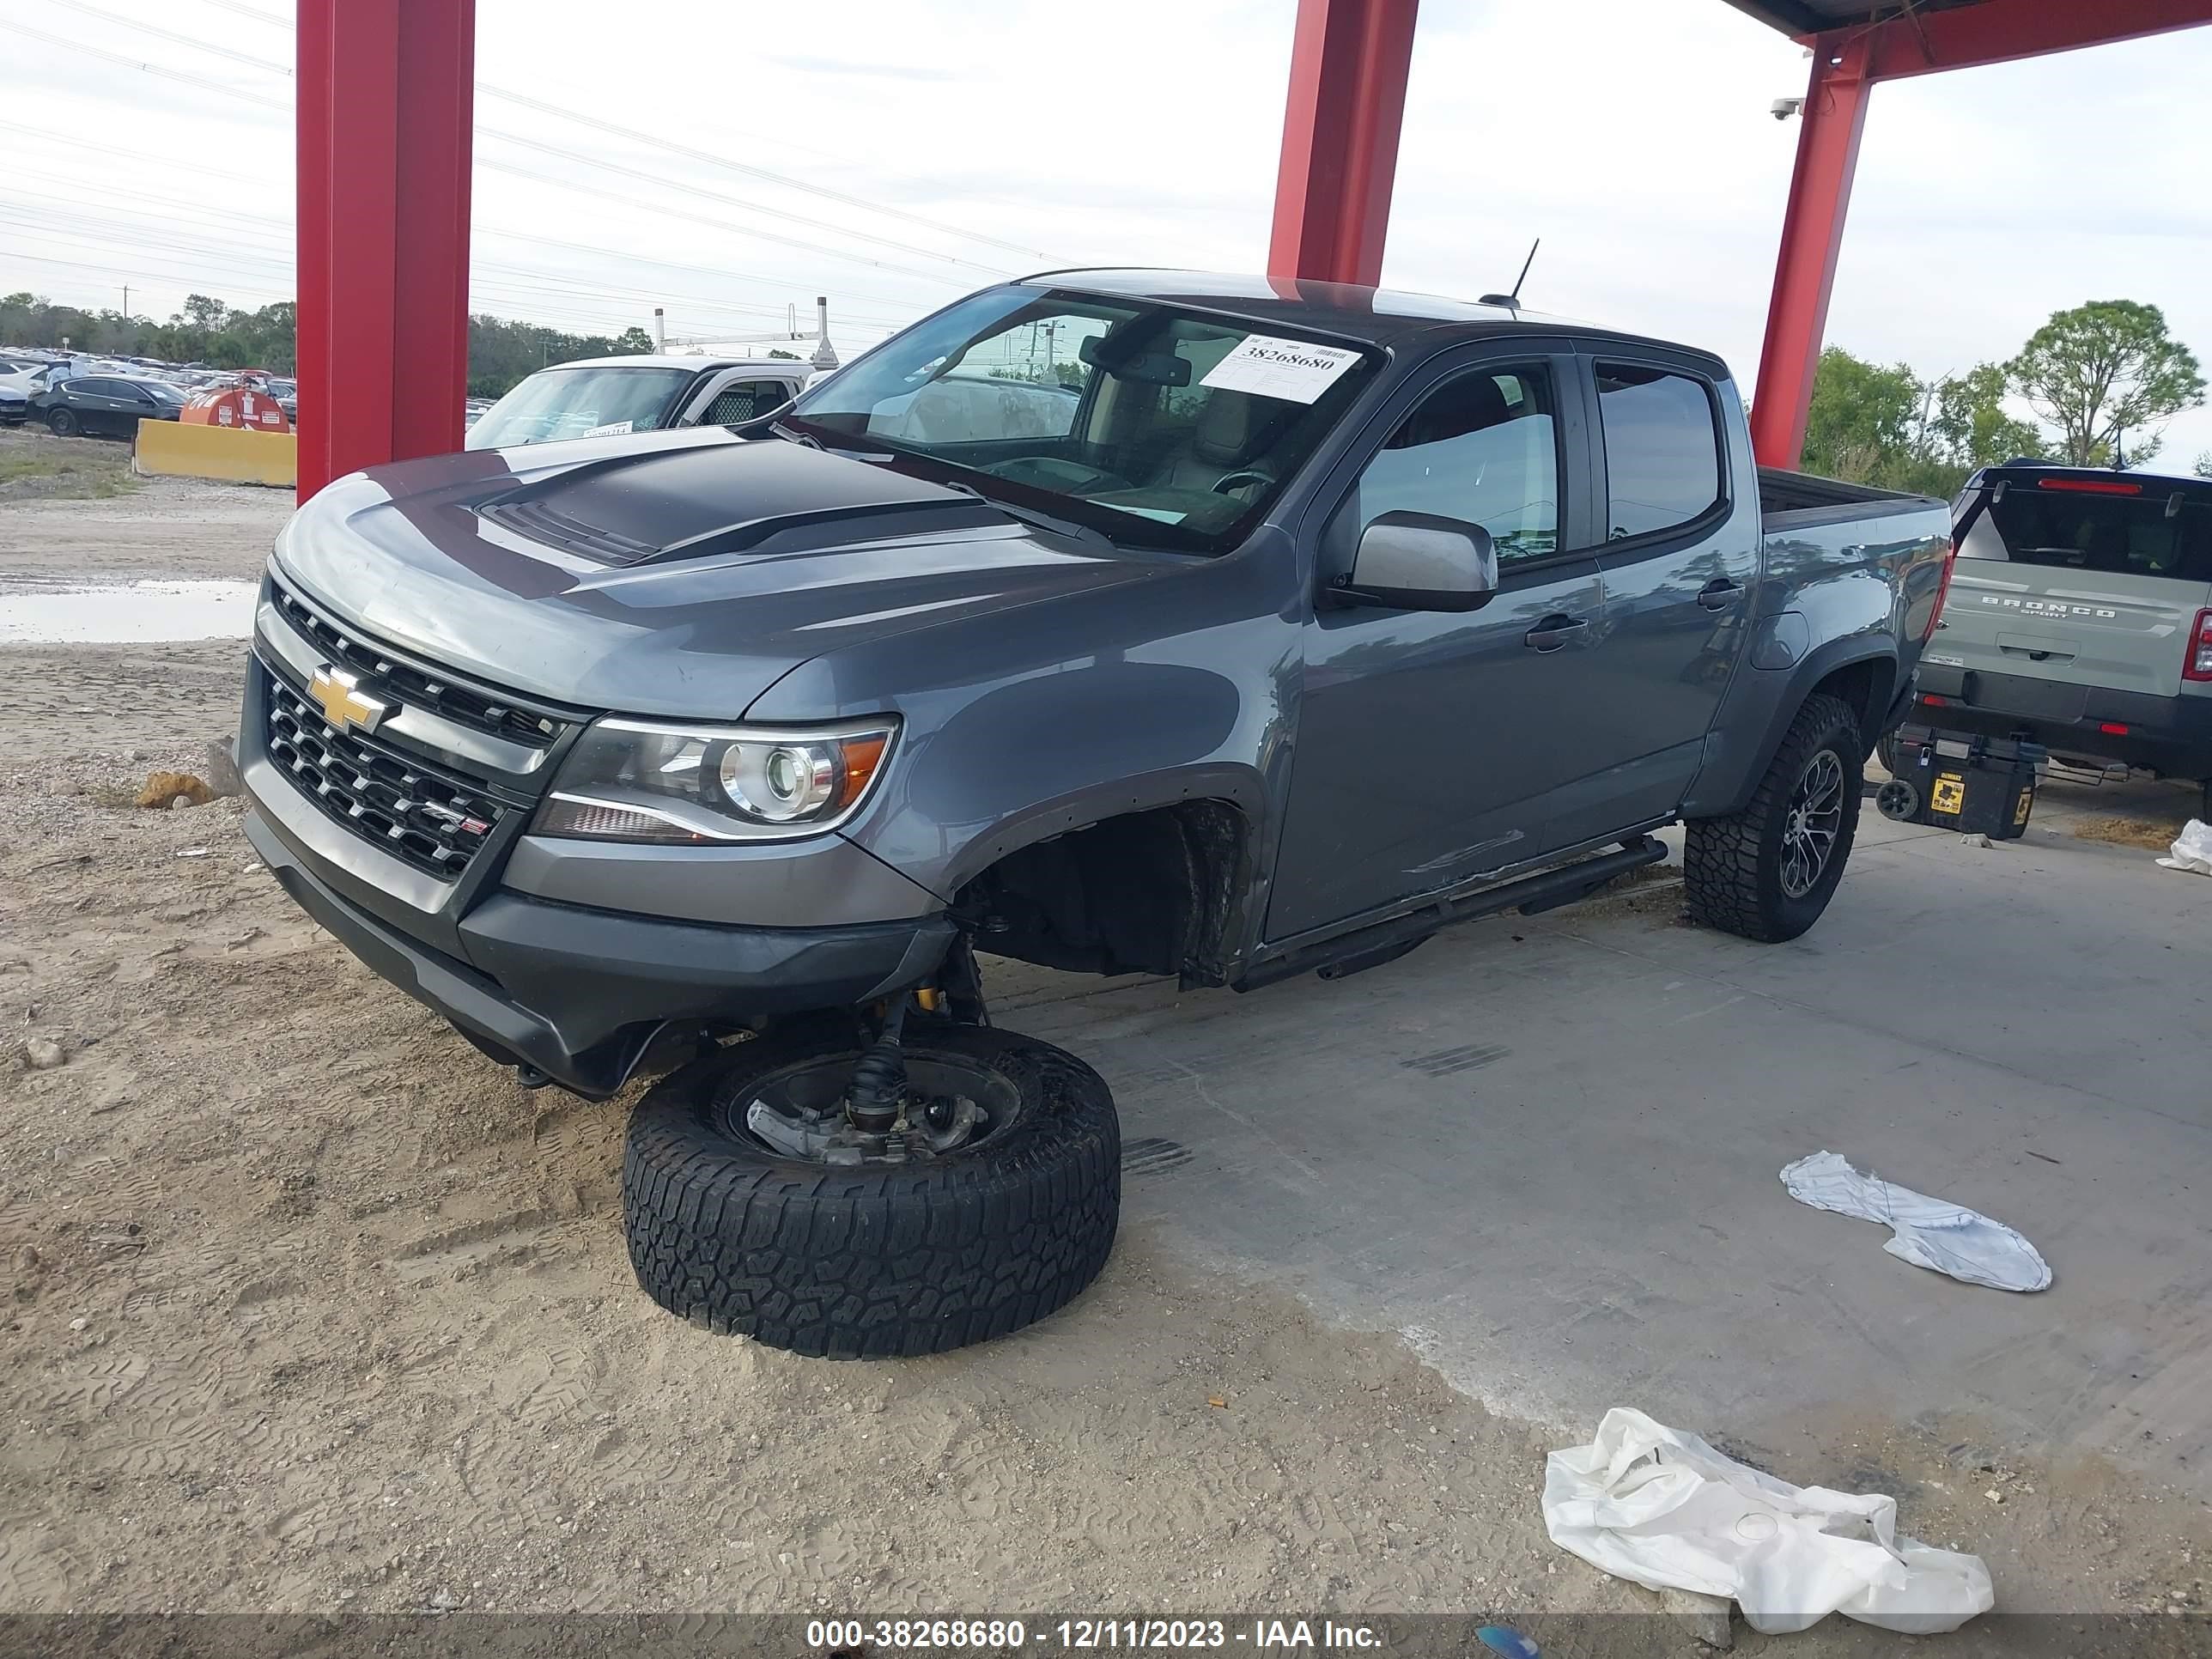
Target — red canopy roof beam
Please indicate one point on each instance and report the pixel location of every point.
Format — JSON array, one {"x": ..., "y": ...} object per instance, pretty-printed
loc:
[
  {"x": 1812, "y": 232},
  {"x": 1349, "y": 61},
  {"x": 1846, "y": 64},
  {"x": 2005, "y": 31},
  {"x": 385, "y": 101}
]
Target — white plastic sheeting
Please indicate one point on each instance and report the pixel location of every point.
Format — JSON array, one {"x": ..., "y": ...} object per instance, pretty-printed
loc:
[
  {"x": 1928, "y": 1232},
  {"x": 1661, "y": 1508},
  {"x": 2191, "y": 849}
]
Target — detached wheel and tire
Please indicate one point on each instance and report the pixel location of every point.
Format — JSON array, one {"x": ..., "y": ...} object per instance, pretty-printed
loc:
[
  {"x": 1767, "y": 872},
  {"x": 745, "y": 1213}
]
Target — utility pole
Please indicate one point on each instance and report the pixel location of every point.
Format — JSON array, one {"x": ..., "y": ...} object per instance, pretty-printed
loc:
[{"x": 126, "y": 301}]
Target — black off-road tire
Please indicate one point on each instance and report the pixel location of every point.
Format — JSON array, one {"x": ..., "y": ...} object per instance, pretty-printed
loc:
[
  {"x": 1732, "y": 865},
  {"x": 880, "y": 1260},
  {"x": 63, "y": 422},
  {"x": 1885, "y": 750}
]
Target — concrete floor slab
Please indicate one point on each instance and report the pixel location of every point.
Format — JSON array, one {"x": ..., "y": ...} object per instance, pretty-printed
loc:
[{"x": 1547, "y": 1149}]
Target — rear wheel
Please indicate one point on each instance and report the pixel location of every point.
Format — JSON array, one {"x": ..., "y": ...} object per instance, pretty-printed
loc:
[
  {"x": 755, "y": 1208},
  {"x": 1767, "y": 872},
  {"x": 63, "y": 422}
]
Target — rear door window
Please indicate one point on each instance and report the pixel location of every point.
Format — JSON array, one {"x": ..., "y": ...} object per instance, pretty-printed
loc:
[
  {"x": 2045, "y": 523},
  {"x": 1663, "y": 465}
]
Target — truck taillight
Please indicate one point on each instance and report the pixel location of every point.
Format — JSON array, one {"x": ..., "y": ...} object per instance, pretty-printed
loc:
[
  {"x": 2199, "y": 665},
  {"x": 1943, "y": 592}
]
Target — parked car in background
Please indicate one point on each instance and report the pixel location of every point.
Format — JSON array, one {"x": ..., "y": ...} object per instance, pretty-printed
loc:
[
  {"x": 103, "y": 404},
  {"x": 25, "y": 374},
  {"x": 604, "y": 397},
  {"x": 14, "y": 405},
  {"x": 2080, "y": 617}
]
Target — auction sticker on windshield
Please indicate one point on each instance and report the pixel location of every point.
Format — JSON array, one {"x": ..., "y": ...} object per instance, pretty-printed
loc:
[{"x": 1293, "y": 370}]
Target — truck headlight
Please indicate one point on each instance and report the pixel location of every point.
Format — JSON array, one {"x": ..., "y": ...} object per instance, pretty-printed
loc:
[{"x": 684, "y": 785}]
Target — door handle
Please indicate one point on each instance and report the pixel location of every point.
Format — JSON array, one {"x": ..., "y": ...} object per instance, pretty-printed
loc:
[
  {"x": 1719, "y": 594},
  {"x": 1554, "y": 631}
]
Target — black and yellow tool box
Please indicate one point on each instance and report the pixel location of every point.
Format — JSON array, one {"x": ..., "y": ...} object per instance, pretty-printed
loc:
[{"x": 1976, "y": 786}]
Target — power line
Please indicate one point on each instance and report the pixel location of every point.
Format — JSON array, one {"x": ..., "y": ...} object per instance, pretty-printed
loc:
[
  {"x": 170, "y": 34},
  {"x": 499, "y": 166},
  {"x": 720, "y": 273},
  {"x": 141, "y": 63},
  {"x": 669, "y": 144},
  {"x": 485, "y": 275},
  {"x": 718, "y": 224},
  {"x": 701, "y": 191},
  {"x": 712, "y": 159},
  {"x": 199, "y": 280},
  {"x": 75, "y": 143},
  {"x": 632, "y": 133}
]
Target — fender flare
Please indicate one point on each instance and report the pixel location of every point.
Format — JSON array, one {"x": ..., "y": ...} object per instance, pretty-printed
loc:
[{"x": 1782, "y": 712}]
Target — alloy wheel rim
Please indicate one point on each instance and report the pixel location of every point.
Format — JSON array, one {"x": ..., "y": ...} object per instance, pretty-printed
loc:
[{"x": 1814, "y": 822}]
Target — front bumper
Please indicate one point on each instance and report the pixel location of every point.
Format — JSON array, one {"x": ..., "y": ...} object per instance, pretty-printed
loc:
[
  {"x": 579, "y": 994},
  {"x": 569, "y": 957}
]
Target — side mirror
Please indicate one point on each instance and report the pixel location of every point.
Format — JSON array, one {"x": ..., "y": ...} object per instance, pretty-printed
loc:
[{"x": 1421, "y": 561}]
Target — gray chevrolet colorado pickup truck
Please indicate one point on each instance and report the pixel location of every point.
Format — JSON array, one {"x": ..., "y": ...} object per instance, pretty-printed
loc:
[{"x": 1314, "y": 619}]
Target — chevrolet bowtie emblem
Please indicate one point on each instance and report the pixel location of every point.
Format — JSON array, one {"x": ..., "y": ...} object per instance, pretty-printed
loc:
[{"x": 342, "y": 705}]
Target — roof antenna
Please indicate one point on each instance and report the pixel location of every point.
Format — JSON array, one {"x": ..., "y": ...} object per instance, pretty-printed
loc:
[{"x": 1512, "y": 302}]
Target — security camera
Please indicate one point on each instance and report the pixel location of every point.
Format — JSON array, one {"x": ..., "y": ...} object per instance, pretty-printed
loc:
[{"x": 1782, "y": 108}]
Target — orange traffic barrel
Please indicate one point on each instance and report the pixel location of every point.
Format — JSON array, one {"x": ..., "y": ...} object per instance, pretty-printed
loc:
[{"x": 246, "y": 407}]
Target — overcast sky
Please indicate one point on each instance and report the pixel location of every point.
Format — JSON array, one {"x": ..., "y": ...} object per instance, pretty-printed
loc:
[{"x": 1633, "y": 136}]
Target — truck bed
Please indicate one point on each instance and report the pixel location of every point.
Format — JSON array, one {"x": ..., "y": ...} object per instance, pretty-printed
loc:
[{"x": 1787, "y": 499}]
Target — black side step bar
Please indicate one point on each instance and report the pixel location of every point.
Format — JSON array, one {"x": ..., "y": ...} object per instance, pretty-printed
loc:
[{"x": 1371, "y": 947}]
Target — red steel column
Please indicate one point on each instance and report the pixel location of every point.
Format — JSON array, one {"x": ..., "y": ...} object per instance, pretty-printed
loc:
[
  {"x": 1812, "y": 232},
  {"x": 387, "y": 96},
  {"x": 1349, "y": 61}
]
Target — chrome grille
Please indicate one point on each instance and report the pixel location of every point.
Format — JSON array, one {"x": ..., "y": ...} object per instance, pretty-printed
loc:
[
  {"x": 464, "y": 705},
  {"x": 434, "y": 821}
]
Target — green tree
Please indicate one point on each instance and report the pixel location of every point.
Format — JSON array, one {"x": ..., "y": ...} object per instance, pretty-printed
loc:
[
  {"x": 1969, "y": 424},
  {"x": 2204, "y": 467},
  {"x": 2107, "y": 375},
  {"x": 633, "y": 339},
  {"x": 1864, "y": 418}
]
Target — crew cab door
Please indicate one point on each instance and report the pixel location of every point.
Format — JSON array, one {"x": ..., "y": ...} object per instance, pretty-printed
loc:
[
  {"x": 1432, "y": 746},
  {"x": 1680, "y": 558},
  {"x": 100, "y": 407}
]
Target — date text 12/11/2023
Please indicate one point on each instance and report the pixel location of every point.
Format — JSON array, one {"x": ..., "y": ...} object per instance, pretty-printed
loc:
[{"x": 985, "y": 1635}]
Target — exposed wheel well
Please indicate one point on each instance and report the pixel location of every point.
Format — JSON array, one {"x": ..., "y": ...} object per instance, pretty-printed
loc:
[
  {"x": 1146, "y": 892},
  {"x": 1864, "y": 687}
]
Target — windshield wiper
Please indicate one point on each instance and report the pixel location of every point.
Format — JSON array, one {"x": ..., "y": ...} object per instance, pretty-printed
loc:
[
  {"x": 1032, "y": 516},
  {"x": 792, "y": 434}
]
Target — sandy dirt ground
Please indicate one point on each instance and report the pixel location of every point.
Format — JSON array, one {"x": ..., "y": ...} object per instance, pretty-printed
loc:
[{"x": 307, "y": 1307}]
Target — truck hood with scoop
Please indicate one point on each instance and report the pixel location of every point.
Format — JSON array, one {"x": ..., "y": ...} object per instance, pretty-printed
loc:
[{"x": 679, "y": 574}]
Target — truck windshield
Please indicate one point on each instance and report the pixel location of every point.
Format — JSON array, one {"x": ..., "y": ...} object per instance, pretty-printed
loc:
[
  {"x": 577, "y": 403},
  {"x": 1155, "y": 426}
]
